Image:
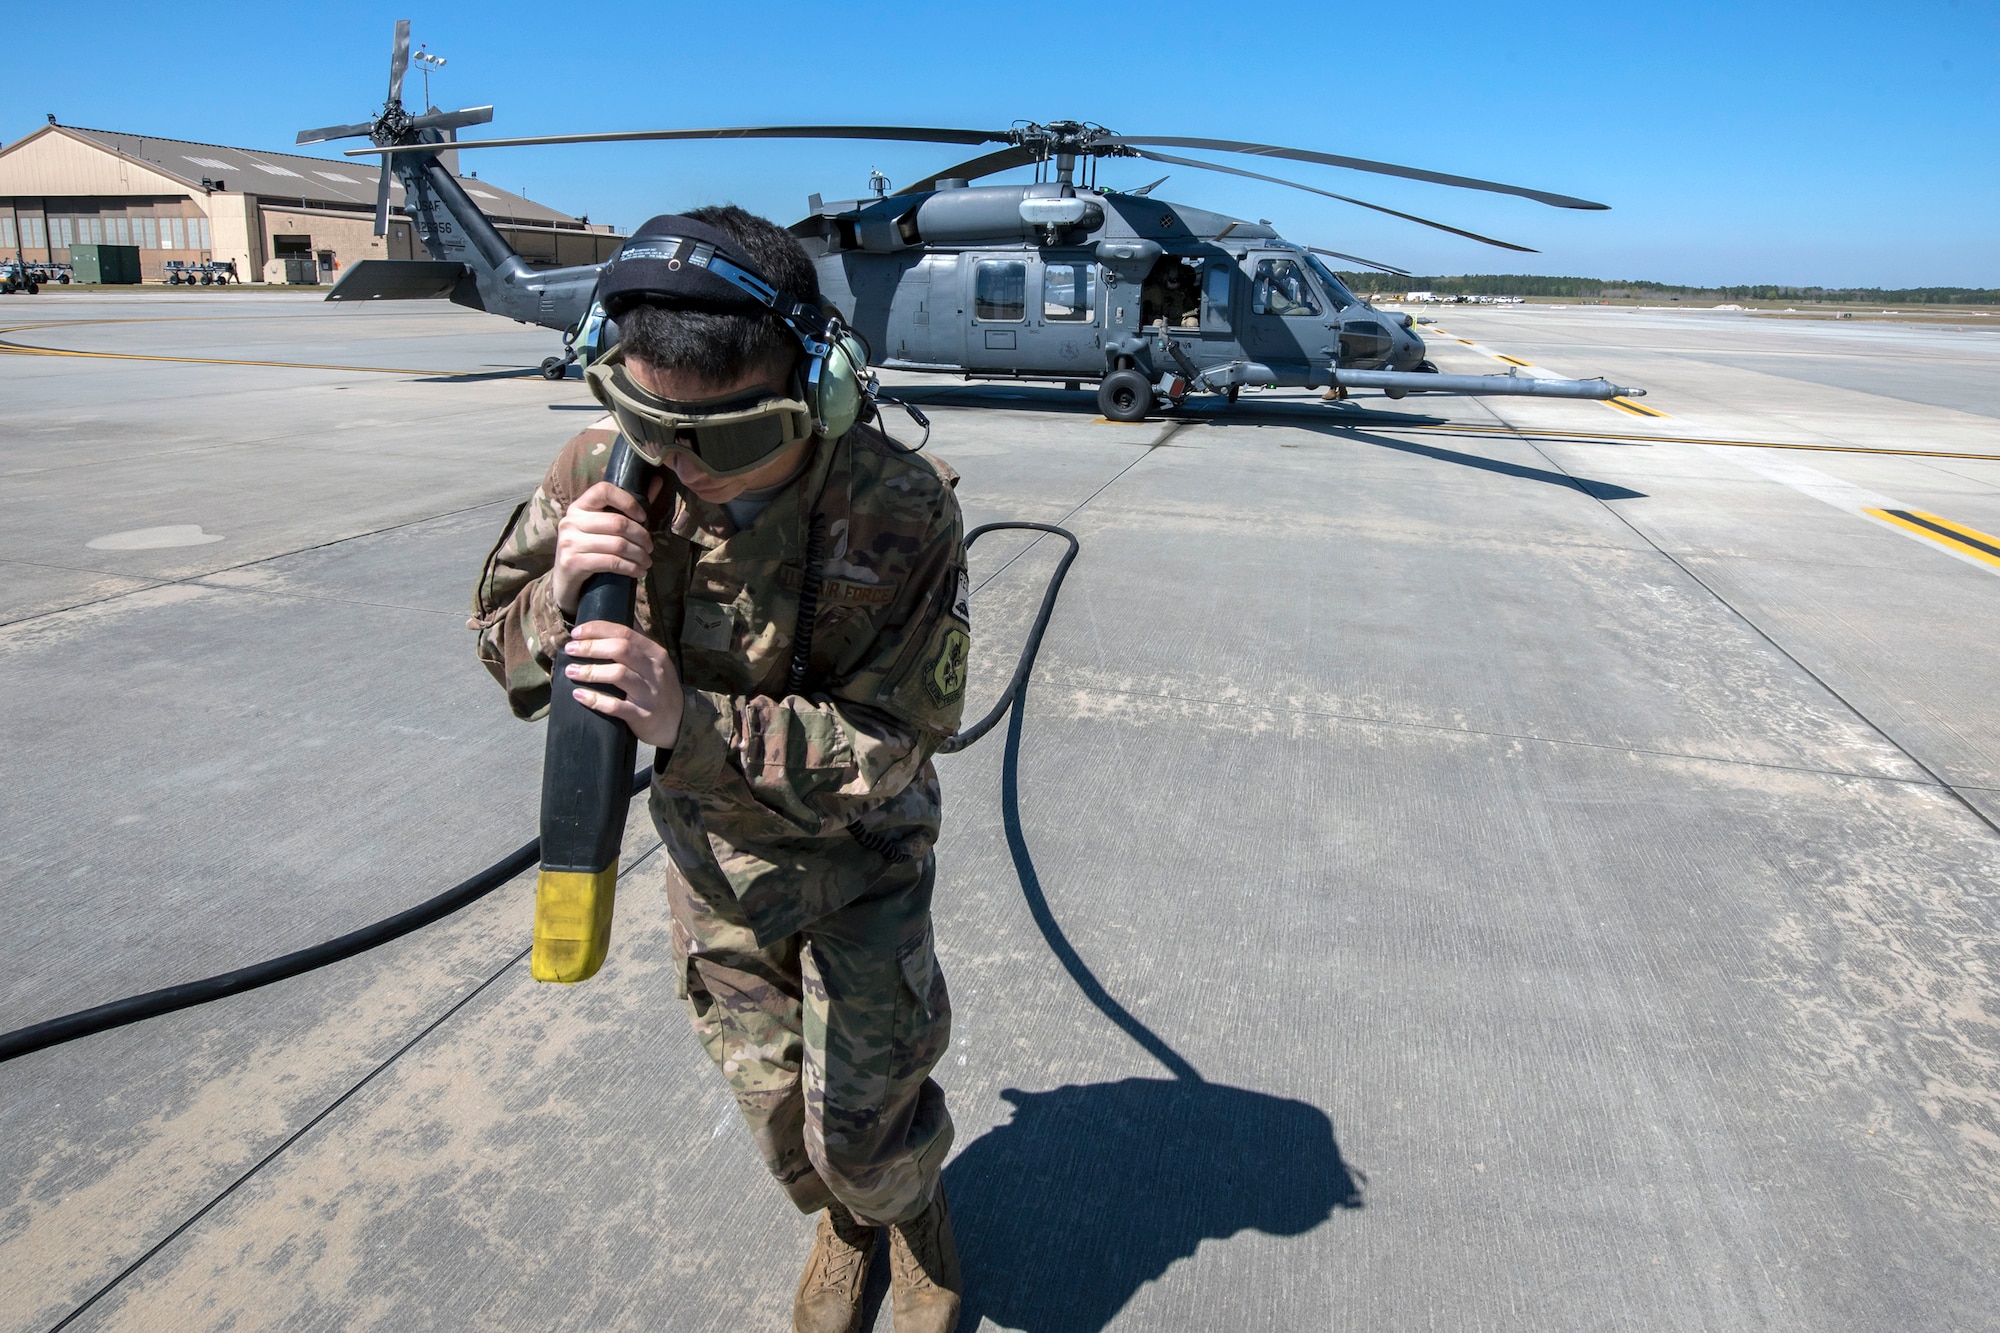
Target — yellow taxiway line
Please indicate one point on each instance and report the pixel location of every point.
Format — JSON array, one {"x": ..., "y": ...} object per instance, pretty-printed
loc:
[
  {"x": 1954, "y": 537},
  {"x": 17, "y": 349},
  {"x": 1631, "y": 408}
]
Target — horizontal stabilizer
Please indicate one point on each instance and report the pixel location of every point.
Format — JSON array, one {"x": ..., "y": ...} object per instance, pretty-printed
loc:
[{"x": 399, "y": 280}]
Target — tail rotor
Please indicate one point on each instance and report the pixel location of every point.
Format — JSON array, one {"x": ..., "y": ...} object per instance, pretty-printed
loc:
[{"x": 393, "y": 126}]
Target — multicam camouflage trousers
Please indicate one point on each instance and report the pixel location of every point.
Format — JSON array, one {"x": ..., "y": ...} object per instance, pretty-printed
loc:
[{"x": 827, "y": 1038}]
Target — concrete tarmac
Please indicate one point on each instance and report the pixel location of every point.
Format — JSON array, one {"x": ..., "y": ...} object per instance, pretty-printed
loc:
[{"x": 1460, "y": 864}]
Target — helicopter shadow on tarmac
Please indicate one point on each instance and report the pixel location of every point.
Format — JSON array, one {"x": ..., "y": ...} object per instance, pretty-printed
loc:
[
  {"x": 1093, "y": 1190},
  {"x": 1501, "y": 467},
  {"x": 1350, "y": 421}
]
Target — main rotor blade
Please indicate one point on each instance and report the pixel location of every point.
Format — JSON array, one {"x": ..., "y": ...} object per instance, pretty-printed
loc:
[
  {"x": 1365, "y": 263},
  {"x": 1171, "y": 160},
  {"x": 898, "y": 133},
  {"x": 382, "y": 199},
  {"x": 1361, "y": 164},
  {"x": 335, "y": 132},
  {"x": 399, "y": 60},
  {"x": 1005, "y": 159},
  {"x": 452, "y": 120}
]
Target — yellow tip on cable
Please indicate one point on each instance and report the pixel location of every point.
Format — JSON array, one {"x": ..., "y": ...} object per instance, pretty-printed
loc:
[{"x": 572, "y": 923}]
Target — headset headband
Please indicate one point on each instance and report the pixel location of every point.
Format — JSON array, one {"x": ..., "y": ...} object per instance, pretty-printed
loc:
[{"x": 684, "y": 263}]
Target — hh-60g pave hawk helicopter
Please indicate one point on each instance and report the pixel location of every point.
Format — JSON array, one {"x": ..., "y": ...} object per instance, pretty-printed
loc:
[{"x": 1056, "y": 280}]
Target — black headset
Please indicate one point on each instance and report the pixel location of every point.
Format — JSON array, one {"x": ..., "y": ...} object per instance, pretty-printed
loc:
[{"x": 688, "y": 264}]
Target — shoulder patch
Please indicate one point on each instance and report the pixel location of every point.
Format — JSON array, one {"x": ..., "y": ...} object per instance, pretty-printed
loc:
[
  {"x": 961, "y": 602},
  {"x": 944, "y": 678}
]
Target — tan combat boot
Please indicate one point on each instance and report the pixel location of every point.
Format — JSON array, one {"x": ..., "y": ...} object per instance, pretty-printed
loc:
[
  {"x": 925, "y": 1285},
  {"x": 829, "y": 1297}
]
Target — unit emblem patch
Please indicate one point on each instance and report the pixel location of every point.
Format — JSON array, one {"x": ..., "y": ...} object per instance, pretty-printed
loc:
[{"x": 944, "y": 678}]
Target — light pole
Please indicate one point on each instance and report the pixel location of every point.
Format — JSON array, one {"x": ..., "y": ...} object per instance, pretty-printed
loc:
[{"x": 429, "y": 62}]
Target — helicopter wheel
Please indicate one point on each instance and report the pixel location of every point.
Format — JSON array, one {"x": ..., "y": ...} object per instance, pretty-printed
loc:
[
  {"x": 1125, "y": 395},
  {"x": 34, "y": 289},
  {"x": 554, "y": 368},
  {"x": 1235, "y": 392}
]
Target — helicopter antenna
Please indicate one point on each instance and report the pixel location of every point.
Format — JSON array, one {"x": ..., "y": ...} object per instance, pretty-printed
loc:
[{"x": 878, "y": 184}]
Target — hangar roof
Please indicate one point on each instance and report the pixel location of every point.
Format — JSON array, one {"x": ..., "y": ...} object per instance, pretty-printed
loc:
[{"x": 313, "y": 180}]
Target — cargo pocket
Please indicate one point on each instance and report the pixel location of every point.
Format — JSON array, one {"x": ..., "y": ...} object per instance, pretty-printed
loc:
[
  {"x": 923, "y": 1013},
  {"x": 919, "y": 964}
]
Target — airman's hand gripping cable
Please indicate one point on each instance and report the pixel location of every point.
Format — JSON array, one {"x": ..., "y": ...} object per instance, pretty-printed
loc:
[{"x": 586, "y": 783}]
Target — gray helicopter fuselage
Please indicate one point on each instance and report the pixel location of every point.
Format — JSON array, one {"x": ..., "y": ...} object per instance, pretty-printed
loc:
[
  {"x": 999, "y": 281},
  {"x": 960, "y": 281}
]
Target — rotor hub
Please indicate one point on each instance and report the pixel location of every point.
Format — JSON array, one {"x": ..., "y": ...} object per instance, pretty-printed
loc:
[
  {"x": 392, "y": 126},
  {"x": 1066, "y": 138}
]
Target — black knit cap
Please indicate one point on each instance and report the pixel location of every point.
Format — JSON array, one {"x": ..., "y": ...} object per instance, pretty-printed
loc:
[{"x": 653, "y": 267}]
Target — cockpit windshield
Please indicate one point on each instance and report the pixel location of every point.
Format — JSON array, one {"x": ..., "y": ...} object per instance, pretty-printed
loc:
[{"x": 1336, "y": 291}]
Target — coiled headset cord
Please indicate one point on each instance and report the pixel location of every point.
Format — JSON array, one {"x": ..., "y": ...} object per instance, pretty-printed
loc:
[{"x": 136, "y": 1008}]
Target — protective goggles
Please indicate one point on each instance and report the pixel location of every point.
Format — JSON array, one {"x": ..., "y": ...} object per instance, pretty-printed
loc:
[{"x": 726, "y": 436}]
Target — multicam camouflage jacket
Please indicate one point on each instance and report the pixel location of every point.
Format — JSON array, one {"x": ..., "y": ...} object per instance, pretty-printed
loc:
[{"x": 755, "y": 800}]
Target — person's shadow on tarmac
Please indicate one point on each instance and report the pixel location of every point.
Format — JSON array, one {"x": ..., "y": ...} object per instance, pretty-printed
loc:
[{"x": 1091, "y": 1191}]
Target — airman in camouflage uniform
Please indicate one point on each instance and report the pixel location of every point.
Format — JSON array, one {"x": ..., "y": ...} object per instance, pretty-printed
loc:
[{"x": 798, "y": 826}]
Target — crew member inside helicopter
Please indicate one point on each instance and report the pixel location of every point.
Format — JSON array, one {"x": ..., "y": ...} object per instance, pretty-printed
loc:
[
  {"x": 1281, "y": 289},
  {"x": 1171, "y": 295}
]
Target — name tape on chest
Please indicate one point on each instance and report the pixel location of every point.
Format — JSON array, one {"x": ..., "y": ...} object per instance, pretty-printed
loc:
[{"x": 841, "y": 592}]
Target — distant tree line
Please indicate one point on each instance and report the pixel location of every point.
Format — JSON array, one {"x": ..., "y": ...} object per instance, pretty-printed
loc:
[{"x": 1529, "y": 284}]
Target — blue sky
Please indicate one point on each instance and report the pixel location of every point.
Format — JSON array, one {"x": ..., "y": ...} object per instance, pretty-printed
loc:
[{"x": 1834, "y": 143}]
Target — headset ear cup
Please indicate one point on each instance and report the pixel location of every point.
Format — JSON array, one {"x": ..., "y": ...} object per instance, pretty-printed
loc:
[{"x": 842, "y": 380}]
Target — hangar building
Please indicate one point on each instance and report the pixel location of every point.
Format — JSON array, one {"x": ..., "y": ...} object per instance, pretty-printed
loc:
[{"x": 195, "y": 201}]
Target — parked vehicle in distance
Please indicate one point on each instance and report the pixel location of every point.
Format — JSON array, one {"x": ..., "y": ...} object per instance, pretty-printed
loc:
[
  {"x": 24, "y": 275},
  {"x": 209, "y": 273}
]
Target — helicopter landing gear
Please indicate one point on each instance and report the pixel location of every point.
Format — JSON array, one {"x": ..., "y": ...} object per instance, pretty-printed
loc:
[
  {"x": 1234, "y": 392},
  {"x": 556, "y": 367},
  {"x": 1125, "y": 395}
]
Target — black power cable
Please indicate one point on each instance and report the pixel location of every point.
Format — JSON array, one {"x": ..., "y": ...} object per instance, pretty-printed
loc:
[
  {"x": 136, "y": 1008},
  {"x": 167, "y": 1000},
  {"x": 1026, "y": 665}
]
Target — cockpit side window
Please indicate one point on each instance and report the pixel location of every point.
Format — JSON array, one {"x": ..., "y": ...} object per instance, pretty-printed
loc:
[
  {"x": 1280, "y": 288},
  {"x": 1336, "y": 290}
]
